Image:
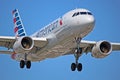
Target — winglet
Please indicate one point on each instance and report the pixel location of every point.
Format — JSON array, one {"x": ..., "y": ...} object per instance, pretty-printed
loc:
[{"x": 18, "y": 25}]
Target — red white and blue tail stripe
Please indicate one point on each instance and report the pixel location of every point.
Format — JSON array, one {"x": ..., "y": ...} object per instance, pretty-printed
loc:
[{"x": 18, "y": 25}]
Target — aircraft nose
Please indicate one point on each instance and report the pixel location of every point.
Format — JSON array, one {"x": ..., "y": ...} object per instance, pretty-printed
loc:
[{"x": 90, "y": 20}]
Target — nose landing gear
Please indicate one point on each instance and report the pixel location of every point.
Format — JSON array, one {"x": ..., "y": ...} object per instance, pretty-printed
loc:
[{"x": 77, "y": 54}]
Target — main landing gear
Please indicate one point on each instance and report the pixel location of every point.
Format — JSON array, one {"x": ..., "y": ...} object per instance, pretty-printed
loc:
[
  {"x": 78, "y": 53},
  {"x": 25, "y": 62}
]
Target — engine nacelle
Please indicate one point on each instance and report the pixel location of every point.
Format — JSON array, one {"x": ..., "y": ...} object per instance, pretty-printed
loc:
[
  {"x": 101, "y": 49},
  {"x": 23, "y": 45}
]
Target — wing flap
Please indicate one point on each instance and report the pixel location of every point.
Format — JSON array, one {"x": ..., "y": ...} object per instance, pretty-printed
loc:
[{"x": 6, "y": 52}]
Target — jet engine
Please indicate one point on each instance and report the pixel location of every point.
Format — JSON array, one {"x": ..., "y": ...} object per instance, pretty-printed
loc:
[
  {"x": 23, "y": 45},
  {"x": 101, "y": 49}
]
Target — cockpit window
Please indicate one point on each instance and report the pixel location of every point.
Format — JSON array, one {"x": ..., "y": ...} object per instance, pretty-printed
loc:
[
  {"x": 74, "y": 15},
  {"x": 89, "y": 13},
  {"x": 81, "y": 13},
  {"x": 77, "y": 13}
]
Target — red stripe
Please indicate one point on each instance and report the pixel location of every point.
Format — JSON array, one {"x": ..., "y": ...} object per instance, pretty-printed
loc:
[
  {"x": 14, "y": 20},
  {"x": 15, "y": 29},
  {"x": 61, "y": 22}
]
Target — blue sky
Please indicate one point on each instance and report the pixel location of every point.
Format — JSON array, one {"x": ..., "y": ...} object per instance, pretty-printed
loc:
[{"x": 38, "y": 13}]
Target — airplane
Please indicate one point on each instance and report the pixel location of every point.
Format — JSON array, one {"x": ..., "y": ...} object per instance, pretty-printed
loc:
[{"x": 61, "y": 37}]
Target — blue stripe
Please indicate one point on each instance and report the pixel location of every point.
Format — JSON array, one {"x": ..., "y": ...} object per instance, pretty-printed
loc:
[
  {"x": 20, "y": 27},
  {"x": 16, "y": 14},
  {"x": 18, "y": 23},
  {"x": 23, "y": 34},
  {"x": 17, "y": 18},
  {"x": 20, "y": 31},
  {"x": 15, "y": 10}
]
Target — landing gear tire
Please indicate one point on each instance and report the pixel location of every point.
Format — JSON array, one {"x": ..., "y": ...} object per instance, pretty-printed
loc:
[
  {"x": 79, "y": 67},
  {"x": 73, "y": 66},
  {"x": 22, "y": 64},
  {"x": 28, "y": 64}
]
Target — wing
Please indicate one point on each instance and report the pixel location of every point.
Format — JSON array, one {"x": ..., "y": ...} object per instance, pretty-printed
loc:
[
  {"x": 88, "y": 45},
  {"x": 8, "y": 42},
  {"x": 115, "y": 46}
]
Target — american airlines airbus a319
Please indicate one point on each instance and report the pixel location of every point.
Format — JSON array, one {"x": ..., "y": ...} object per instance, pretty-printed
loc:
[{"x": 61, "y": 37}]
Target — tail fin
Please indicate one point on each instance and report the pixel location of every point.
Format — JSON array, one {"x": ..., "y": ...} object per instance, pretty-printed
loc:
[{"x": 18, "y": 25}]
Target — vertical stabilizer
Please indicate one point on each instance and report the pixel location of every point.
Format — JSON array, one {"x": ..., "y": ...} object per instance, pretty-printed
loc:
[{"x": 18, "y": 25}]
